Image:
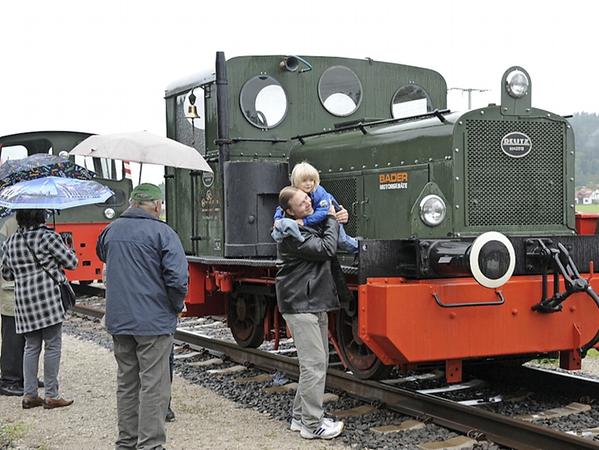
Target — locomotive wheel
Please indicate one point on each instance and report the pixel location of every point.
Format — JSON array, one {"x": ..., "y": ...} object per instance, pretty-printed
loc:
[
  {"x": 246, "y": 319},
  {"x": 361, "y": 360}
]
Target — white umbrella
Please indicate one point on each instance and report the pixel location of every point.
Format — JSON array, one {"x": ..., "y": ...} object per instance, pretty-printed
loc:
[{"x": 142, "y": 147}]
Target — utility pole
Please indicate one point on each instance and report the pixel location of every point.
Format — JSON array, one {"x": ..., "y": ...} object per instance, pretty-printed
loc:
[{"x": 470, "y": 91}]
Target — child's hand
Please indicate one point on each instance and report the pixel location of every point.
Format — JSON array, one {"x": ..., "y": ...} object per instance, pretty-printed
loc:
[
  {"x": 300, "y": 221},
  {"x": 342, "y": 215}
]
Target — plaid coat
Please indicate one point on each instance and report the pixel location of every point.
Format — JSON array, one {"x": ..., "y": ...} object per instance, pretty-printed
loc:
[{"x": 38, "y": 303}]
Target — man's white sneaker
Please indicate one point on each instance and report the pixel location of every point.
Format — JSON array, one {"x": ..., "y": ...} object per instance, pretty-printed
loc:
[
  {"x": 296, "y": 425},
  {"x": 327, "y": 430}
]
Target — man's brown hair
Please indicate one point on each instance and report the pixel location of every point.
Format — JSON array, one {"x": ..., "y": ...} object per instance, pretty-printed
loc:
[{"x": 286, "y": 195}]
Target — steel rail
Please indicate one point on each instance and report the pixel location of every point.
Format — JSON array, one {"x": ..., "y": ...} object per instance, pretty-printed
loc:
[
  {"x": 467, "y": 420},
  {"x": 88, "y": 311},
  {"x": 85, "y": 289},
  {"x": 552, "y": 381}
]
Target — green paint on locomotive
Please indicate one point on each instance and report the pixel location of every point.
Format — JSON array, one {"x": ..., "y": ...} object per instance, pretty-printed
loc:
[{"x": 380, "y": 169}]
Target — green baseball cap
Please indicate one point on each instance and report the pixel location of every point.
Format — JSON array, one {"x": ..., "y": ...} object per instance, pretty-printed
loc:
[{"x": 146, "y": 192}]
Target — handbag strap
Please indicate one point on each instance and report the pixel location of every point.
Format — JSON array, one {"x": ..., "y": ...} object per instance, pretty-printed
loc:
[{"x": 37, "y": 260}]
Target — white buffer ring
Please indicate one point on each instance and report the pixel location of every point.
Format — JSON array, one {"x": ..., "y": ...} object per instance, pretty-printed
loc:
[{"x": 475, "y": 249}]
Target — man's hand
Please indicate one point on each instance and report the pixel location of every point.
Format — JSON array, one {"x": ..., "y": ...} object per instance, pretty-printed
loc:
[
  {"x": 183, "y": 311},
  {"x": 342, "y": 215},
  {"x": 331, "y": 211}
]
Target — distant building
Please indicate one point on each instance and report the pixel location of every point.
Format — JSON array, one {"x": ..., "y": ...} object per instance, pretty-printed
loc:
[{"x": 585, "y": 196}]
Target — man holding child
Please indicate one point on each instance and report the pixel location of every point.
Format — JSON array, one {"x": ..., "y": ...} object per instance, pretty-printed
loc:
[{"x": 306, "y": 292}]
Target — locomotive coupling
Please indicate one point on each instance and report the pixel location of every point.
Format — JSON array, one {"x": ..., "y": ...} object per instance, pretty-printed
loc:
[{"x": 558, "y": 259}]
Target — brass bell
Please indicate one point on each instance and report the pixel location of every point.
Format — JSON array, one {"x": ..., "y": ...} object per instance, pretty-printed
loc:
[{"x": 192, "y": 112}]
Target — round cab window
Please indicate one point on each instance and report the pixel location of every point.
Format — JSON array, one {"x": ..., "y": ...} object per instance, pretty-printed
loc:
[
  {"x": 263, "y": 101},
  {"x": 340, "y": 91},
  {"x": 410, "y": 100}
]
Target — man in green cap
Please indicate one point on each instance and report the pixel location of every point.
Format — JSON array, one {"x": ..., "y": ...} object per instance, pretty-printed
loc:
[
  {"x": 146, "y": 192},
  {"x": 146, "y": 282}
]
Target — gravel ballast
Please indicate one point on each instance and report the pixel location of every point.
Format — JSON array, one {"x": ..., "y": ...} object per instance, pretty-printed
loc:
[
  {"x": 217, "y": 411},
  {"x": 205, "y": 420}
]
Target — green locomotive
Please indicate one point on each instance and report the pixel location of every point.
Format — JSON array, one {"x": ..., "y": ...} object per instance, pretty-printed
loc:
[{"x": 463, "y": 218}]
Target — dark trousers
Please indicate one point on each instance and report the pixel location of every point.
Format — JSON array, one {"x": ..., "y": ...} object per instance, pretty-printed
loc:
[
  {"x": 143, "y": 390},
  {"x": 11, "y": 357}
]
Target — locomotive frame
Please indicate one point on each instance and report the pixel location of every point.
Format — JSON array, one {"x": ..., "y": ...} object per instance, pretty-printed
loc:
[{"x": 474, "y": 286}]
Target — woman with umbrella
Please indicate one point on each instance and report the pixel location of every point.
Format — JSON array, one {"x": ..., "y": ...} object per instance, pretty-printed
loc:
[{"x": 33, "y": 257}]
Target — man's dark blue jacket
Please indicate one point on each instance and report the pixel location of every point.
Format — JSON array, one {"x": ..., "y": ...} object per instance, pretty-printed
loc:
[{"x": 146, "y": 275}]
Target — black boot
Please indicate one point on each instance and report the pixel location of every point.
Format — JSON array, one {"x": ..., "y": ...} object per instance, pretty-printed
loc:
[{"x": 11, "y": 389}]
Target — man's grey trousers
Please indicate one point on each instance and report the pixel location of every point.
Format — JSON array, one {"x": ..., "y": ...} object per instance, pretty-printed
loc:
[
  {"x": 311, "y": 338},
  {"x": 143, "y": 390}
]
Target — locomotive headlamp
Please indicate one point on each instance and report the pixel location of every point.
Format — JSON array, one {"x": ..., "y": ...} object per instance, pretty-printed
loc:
[
  {"x": 109, "y": 213},
  {"x": 517, "y": 83},
  {"x": 492, "y": 259},
  {"x": 432, "y": 210}
]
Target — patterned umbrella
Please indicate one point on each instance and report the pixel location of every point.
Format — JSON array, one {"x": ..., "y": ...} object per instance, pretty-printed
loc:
[
  {"x": 53, "y": 193},
  {"x": 38, "y": 166}
]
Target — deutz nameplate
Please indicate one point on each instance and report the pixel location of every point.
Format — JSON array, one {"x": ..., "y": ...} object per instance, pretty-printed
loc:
[{"x": 516, "y": 145}]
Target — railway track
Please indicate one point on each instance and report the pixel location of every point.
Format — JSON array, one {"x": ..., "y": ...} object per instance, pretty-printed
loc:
[{"x": 467, "y": 420}]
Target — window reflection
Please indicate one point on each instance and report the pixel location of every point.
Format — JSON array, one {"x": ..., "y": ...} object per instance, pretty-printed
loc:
[
  {"x": 12, "y": 152},
  {"x": 410, "y": 100},
  {"x": 263, "y": 101},
  {"x": 340, "y": 90}
]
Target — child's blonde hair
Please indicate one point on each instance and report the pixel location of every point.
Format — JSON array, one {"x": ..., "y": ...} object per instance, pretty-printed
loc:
[{"x": 304, "y": 171}]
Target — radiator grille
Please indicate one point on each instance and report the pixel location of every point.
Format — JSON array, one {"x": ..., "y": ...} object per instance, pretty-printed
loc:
[
  {"x": 344, "y": 191},
  {"x": 501, "y": 190}
]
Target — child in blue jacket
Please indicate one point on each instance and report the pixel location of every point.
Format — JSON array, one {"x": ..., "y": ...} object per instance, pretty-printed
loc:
[{"x": 304, "y": 176}]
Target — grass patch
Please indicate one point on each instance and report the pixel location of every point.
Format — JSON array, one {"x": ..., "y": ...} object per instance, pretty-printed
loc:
[
  {"x": 11, "y": 432},
  {"x": 593, "y": 353},
  {"x": 546, "y": 361},
  {"x": 587, "y": 208}
]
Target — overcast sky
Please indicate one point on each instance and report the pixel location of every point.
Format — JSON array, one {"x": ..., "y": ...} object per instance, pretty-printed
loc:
[{"x": 102, "y": 66}]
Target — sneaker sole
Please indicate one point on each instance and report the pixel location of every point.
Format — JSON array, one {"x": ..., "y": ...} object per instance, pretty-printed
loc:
[
  {"x": 327, "y": 438},
  {"x": 294, "y": 427}
]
